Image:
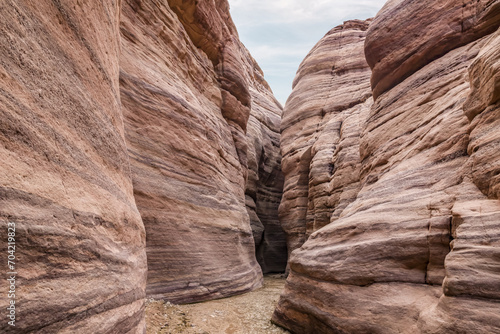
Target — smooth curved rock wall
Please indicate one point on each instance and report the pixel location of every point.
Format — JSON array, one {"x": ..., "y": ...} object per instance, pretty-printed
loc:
[
  {"x": 105, "y": 105},
  {"x": 417, "y": 250},
  {"x": 320, "y": 132},
  {"x": 65, "y": 179},
  {"x": 188, "y": 89},
  {"x": 408, "y": 35}
]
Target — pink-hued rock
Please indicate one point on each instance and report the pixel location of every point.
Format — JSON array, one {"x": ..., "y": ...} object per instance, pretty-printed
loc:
[
  {"x": 188, "y": 90},
  {"x": 116, "y": 109},
  {"x": 482, "y": 107},
  {"x": 320, "y": 132},
  {"x": 64, "y": 172},
  {"x": 265, "y": 180},
  {"x": 417, "y": 250},
  {"x": 407, "y": 35}
]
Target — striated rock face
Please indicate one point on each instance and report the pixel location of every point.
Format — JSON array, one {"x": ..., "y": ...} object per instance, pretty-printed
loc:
[
  {"x": 430, "y": 30},
  {"x": 116, "y": 110},
  {"x": 65, "y": 179},
  {"x": 188, "y": 88},
  {"x": 265, "y": 179},
  {"x": 320, "y": 132},
  {"x": 417, "y": 251}
]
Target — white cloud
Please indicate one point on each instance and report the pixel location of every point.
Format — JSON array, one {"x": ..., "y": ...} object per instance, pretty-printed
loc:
[
  {"x": 280, "y": 33},
  {"x": 273, "y": 53},
  {"x": 298, "y": 11}
]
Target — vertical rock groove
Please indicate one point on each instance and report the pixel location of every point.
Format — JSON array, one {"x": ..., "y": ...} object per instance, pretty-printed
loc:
[{"x": 320, "y": 129}]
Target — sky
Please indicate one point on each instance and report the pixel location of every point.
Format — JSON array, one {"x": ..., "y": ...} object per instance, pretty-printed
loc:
[{"x": 280, "y": 33}]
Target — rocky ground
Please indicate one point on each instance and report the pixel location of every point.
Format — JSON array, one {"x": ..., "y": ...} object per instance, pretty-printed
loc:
[{"x": 245, "y": 314}]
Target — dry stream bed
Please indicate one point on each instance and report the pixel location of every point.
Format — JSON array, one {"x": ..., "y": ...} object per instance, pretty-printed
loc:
[{"x": 245, "y": 314}]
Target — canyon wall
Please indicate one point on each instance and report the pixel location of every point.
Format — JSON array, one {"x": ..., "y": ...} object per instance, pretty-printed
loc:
[
  {"x": 65, "y": 179},
  {"x": 416, "y": 248},
  {"x": 189, "y": 88},
  {"x": 265, "y": 180},
  {"x": 124, "y": 113},
  {"x": 320, "y": 132}
]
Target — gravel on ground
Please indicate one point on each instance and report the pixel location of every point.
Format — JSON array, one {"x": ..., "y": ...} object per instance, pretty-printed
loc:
[{"x": 245, "y": 314}]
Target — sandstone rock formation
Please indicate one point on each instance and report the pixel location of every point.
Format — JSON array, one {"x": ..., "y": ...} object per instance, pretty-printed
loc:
[
  {"x": 417, "y": 250},
  {"x": 119, "y": 109},
  {"x": 246, "y": 101},
  {"x": 188, "y": 87},
  {"x": 414, "y": 33},
  {"x": 265, "y": 179},
  {"x": 320, "y": 132},
  {"x": 65, "y": 179}
]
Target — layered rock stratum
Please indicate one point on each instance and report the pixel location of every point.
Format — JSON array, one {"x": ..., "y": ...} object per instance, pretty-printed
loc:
[
  {"x": 65, "y": 179},
  {"x": 320, "y": 132},
  {"x": 416, "y": 247},
  {"x": 131, "y": 128},
  {"x": 200, "y": 121},
  {"x": 265, "y": 179}
]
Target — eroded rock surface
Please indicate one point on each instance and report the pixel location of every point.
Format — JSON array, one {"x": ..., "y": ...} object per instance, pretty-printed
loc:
[
  {"x": 395, "y": 50},
  {"x": 65, "y": 179},
  {"x": 188, "y": 87},
  {"x": 265, "y": 179},
  {"x": 417, "y": 250},
  {"x": 320, "y": 132},
  {"x": 118, "y": 109}
]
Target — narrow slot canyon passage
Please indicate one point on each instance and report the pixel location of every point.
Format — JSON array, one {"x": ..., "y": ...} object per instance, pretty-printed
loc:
[
  {"x": 152, "y": 182},
  {"x": 249, "y": 313}
]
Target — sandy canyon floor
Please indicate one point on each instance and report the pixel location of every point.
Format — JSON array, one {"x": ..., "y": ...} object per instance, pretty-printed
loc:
[{"x": 245, "y": 314}]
